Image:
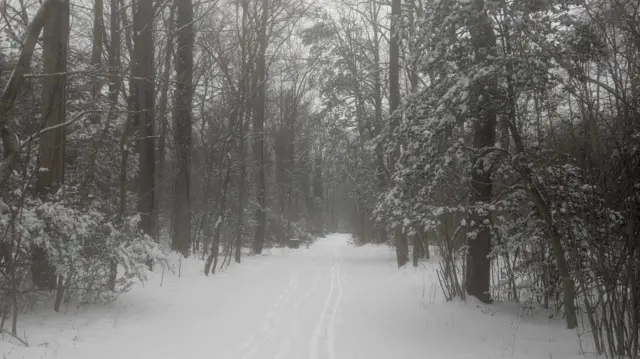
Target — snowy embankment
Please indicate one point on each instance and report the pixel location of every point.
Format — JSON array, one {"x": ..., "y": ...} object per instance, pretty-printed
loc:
[{"x": 330, "y": 301}]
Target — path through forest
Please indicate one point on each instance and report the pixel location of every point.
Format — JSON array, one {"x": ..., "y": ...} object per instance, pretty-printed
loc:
[{"x": 330, "y": 301}]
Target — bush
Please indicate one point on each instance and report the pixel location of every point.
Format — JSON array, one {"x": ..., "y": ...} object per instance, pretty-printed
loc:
[{"x": 81, "y": 254}]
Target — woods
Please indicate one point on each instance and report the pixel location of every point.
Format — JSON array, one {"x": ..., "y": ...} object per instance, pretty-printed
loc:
[
  {"x": 499, "y": 139},
  {"x": 133, "y": 129}
]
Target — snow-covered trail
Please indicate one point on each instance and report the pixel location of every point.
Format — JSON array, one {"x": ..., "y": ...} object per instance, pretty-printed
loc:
[
  {"x": 330, "y": 301},
  {"x": 282, "y": 305}
]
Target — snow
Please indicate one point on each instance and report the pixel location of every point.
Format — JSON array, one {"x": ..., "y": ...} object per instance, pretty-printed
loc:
[{"x": 331, "y": 301}]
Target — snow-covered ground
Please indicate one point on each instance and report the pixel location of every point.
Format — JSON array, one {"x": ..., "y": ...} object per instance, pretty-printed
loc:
[{"x": 330, "y": 301}]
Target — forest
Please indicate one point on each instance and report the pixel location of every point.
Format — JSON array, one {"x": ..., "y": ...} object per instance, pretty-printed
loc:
[{"x": 500, "y": 139}]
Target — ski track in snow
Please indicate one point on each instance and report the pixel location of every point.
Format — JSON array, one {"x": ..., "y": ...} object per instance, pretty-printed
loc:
[
  {"x": 274, "y": 316},
  {"x": 331, "y": 304},
  {"x": 331, "y": 329},
  {"x": 292, "y": 333}
]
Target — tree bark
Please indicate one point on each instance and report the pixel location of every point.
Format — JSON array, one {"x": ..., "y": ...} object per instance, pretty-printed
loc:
[
  {"x": 12, "y": 89},
  {"x": 544, "y": 211},
  {"x": 258, "y": 129},
  {"x": 96, "y": 51},
  {"x": 242, "y": 147},
  {"x": 377, "y": 95},
  {"x": 96, "y": 89},
  {"x": 212, "y": 259},
  {"x": 318, "y": 193},
  {"x": 182, "y": 118},
  {"x": 162, "y": 118},
  {"x": 142, "y": 71},
  {"x": 241, "y": 190},
  {"x": 56, "y": 37},
  {"x": 401, "y": 243},
  {"x": 478, "y": 279},
  {"x": 114, "y": 88},
  {"x": 291, "y": 216},
  {"x": 51, "y": 153}
]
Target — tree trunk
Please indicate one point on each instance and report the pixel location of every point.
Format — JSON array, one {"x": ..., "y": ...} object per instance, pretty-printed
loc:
[
  {"x": 258, "y": 129},
  {"x": 424, "y": 241},
  {"x": 318, "y": 193},
  {"x": 242, "y": 147},
  {"x": 478, "y": 279},
  {"x": 212, "y": 259},
  {"x": 280, "y": 149},
  {"x": 122, "y": 190},
  {"x": 96, "y": 52},
  {"x": 56, "y": 32},
  {"x": 162, "y": 119},
  {"x": 291, "y": 215},
  {"x": 241, "y": 189},
  {"x": 12, "y": 89},
  {"x": 544, "y": 212},
  {"x": 377, "y": 95},
  {"x": 182, "y": 118},
  {"x": 142, "y": 71},
  {"x": 114, "y": 88},
  {"x": 96, "y": 89},
  {"x": 59, "y": 294},
  {"x": 417, "y": 249},
  {"x": 51, "y": 175},
  {"x": 401, "y": 243}
]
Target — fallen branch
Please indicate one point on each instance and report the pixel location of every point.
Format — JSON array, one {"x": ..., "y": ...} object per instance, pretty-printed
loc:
[{"x": 23, "y": 341}]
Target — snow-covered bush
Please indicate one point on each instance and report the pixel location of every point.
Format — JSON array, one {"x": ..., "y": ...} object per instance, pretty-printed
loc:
[{"x": 88, "y": 255}]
